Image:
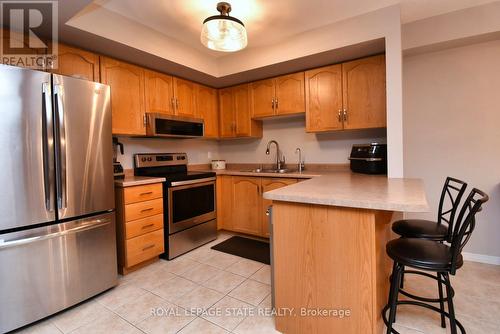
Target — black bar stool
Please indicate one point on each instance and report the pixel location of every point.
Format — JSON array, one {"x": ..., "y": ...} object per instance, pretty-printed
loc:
[
  {"x": 433, "y": 256},
  {"x": 440, "y": 230}
]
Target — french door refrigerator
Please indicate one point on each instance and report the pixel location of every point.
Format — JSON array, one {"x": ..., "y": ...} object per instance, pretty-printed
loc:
[{"x": 57, "y": 220}]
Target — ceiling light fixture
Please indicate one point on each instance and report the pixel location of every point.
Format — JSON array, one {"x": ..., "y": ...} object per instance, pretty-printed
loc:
[{"x": 223, "y": 32}]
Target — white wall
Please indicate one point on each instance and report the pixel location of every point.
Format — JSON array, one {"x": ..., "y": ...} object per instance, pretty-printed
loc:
[
  {"x": 199, "y": 151},
  {"x": 452, "y": 127},
  {"x": 290, "y": 134}
]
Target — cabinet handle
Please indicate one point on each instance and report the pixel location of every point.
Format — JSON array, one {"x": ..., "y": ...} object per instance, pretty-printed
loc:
[
  {"x": 177, "y": 103},
  {"x": 147, "y": 226},
  {"x": 146, "y": 210},
  {"x": 144, "y": 120},
  {"x": 272, "y": 103},
  {"x": 148, "y": 247},
  {"x": 340, "y": 115},
  {"x": 345, "y": 115},
  {"x": 146, "y": 193},
  {"x": 276, "y": 103}
]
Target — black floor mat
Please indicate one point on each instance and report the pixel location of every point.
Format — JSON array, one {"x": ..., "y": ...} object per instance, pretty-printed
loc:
[{"x": 248, "y": 248}]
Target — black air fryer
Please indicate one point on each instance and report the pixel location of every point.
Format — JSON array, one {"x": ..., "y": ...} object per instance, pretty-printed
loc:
[{"x": 369, "y": 158}]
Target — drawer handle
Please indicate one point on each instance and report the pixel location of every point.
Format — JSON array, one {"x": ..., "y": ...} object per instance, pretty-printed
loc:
[
  {"x": 146, "y": 210},
  {"x": 148, "y": 225},
  {"x": 148, "y": 247},
  {"x": 146, "y": 193}
]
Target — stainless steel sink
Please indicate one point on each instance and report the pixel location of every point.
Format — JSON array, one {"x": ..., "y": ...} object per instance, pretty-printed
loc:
[{"x": 259, "y": 170}]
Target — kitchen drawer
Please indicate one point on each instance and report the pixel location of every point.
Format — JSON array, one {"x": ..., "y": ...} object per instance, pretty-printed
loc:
[
  {"x": 142, "y": 193},
  {"x": 143, "y": 209},
  {"x": 144, "y": 247},
  {"x": 142, "y": 226}
]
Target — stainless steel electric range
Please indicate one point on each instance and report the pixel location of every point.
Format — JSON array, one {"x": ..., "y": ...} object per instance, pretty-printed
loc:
[{"x": 188, "y": 201}]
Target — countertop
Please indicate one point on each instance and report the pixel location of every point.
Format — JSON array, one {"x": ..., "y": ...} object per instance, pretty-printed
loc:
[
  {"x": 357, "y": 191},
  {"x": 294, "y": 175},
  {"x": 130, "y": 181}
]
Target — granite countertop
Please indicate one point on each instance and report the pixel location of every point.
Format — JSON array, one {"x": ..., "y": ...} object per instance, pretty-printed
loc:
[
  {"x": 357, "y": 191},
  {"x": 131, "y": 180}
]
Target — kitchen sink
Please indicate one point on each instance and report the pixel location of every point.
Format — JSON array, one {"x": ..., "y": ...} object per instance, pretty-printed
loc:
[{"x": 259, "y": 170}]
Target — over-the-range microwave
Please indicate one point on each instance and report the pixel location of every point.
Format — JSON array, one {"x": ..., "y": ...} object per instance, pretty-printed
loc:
[{"x": 162, "y": 125}]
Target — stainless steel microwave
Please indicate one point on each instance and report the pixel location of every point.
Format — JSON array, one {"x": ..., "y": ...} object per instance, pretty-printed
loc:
[{"x": 161, "y": 125}]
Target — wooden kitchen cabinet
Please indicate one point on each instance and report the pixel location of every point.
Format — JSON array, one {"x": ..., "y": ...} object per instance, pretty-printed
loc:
[
  {"x": 139, "y": 225},
  {"x": 283, "y": 95},
  {"x": 324, "y": 99},
  {"x": 246, "y": 198},
  {"x": 77, "y": 63},
  {"x": 268, "y": 184},
  {"x": 185, "y": 97},
  {"x": 364, "y": 93},
  {"x": 127, "y": 96},
  {"x": 351, "y": 95},
  {"x": 207, "y": 109},
  {"x": 234, "y": 113},
  {"x": 240, "y": 205},
  {"x": 159, "y": 93}
]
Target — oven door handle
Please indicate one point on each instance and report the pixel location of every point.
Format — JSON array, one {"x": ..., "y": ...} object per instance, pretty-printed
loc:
[{"x": 184, "y": 183}]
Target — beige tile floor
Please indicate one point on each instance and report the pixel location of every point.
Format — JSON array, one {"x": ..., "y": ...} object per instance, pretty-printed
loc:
[{"x": 210, "y": 292}]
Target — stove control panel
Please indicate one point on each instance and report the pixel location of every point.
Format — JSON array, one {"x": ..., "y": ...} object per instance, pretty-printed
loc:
[{"x": 159, "y": 159}]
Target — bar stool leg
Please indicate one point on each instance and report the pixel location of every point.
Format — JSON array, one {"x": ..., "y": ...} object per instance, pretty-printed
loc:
[
  {"x": 441, "y": 302},
  {"x": 451, "y": 309},
  {"x": 401, "y": 286},
  {"x": 393, "y": 294}
]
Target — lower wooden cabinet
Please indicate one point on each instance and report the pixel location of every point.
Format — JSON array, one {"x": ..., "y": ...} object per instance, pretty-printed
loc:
[
  {"x": 139, "y": 225},
  {"x": 240, "y": 205}
]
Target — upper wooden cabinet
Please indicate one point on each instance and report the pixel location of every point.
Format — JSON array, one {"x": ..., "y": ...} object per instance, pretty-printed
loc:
[
  {"x": 159, "y": 93},
  {"x": 207, "y": 109},
  {"x": 185, "y": 97},
  {"x": 235, "y": 116},
  {"x": 351, "y": 95},
  {"x": 364, "y": 93},
  {"x": 278, "y": 96},
  {"x": 77, "y": 63},
  {"x": 127, "y": 96},
  {"x": 324, "y": 98}
]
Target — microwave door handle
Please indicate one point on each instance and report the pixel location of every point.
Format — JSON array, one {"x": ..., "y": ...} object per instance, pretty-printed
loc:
[
  {"x": 47, "y": 146},
  {"x": 63, "y": 193}
]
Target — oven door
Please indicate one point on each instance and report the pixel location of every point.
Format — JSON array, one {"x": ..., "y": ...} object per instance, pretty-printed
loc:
[{"x": 190, "y": 203}]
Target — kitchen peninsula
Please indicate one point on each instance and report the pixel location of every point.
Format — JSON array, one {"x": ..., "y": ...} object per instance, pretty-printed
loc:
[{"x": 329, "y": 236}]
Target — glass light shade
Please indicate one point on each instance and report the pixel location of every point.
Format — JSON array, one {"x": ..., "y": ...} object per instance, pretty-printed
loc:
[{"x": 222, "y": 34}]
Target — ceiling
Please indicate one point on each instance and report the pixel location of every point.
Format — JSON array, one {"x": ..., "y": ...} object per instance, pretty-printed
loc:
[{"x": 267, "y": 22}]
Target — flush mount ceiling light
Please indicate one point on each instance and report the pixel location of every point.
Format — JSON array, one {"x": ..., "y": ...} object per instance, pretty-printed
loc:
[{"x": 223, "y": 32}]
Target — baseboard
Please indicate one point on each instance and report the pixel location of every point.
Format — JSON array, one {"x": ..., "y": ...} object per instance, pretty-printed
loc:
[{"x": 488, "y": 259}]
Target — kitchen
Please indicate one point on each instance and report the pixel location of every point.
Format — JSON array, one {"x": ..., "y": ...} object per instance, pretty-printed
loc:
[{"x": 203, "y": 142}]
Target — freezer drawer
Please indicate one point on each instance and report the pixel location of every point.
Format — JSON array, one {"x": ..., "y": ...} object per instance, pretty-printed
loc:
[{"x": 48, "y": 269}]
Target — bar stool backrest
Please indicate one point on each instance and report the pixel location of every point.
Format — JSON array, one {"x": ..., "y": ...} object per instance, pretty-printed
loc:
[
  {"x": 449, "y": 202},
  {"x": 466, "y": 222}
]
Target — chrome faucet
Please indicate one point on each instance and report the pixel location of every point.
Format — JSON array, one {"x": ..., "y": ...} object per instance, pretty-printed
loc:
[
  {"x": 301, "y": 165},
  {"x": 280, "y": 160}
]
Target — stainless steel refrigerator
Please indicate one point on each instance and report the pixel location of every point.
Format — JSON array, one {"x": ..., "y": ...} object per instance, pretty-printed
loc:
[{"x": 57, "y": 220}]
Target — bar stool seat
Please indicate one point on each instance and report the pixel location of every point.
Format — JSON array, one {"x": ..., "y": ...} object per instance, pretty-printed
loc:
[
  {"x": 420, "y": 228},
  {"x": 422, "y": 254}
]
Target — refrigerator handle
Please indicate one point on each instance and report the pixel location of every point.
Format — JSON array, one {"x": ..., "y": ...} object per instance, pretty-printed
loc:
[
  {"x": 62, "y": 201},
  {"x": 48, "y": 148}
]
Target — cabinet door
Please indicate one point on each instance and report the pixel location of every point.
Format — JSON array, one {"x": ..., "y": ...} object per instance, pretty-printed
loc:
[
  {"x": 77, "y": 63},
  {"x": 224, "y": 195},
  {"x": 159, "y": 92},
  {"x": 290, "y": 97},
  {"x": 242, "y": 111},
  {"x": 364, "y": 93},
  {"x": 207, "y": 109},
  {"x": 323, "y": 98},
  {"x": 227, "y": 123},
  {"x": 262, "y": 96},
  {"x": 247, "y": 215},
  {"x": 185, "y": 95},
  {"x": 127, "y": 95},
  {"x": 269, "y": 184}
]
